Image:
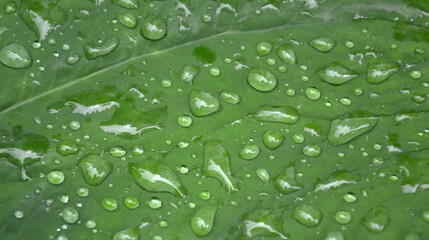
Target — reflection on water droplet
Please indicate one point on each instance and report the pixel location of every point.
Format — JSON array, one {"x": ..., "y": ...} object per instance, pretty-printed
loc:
[
  {"x": 307, "y": 215},
  {"x": 70, "y": 215},
  {"x": 312, "y": 93},
  {"x": 72, "y": 59},
  {"x": 335, "y": 235},
  {"x": 91, "y": 224},
  {"x": 202, "y": 221},
  {"x": 263, "y": 222},
  {"x": 262, "y": 79},
  {"x": 131, "y": 202},
  {"x": 94, "y": 169},
  {"x": 19, "y": 214},
  {"x": 249, "y": 152},
  {"x": 15, "y": 56},
  {"x": 110, "y": 204},
  {"x": 127, "y": 234},
  {"x": 188, "y": 73},
  {"x": 128, "y": 20},
  {"x": 273, "y": 139},
  {"x": 336, "y": 74},
  {"x": 343, "y": 217},
  {"x": 153, "y": 28},
  {"x": 83, "y": 192},
  {"x": 263, "y": 175},
  {"x": 206, "y": 18},
  {"x": 380, "y": 72},
  {"x": 93, "y": 51},
  {"x": 267, "y": 113},
  {"x": 287, "y": 54},
  {"x": 322, "y": 44},
  {"x": 376, "y": 220},
  {"x": 203, "y": 103},
  {"x": 155, "y": 203},
  {"x": 118, "y": 151},
  {"x": 286, "y": 182},
  {"x": 67, "y": 147},
  {"x": 9, "y": 7},
  {"x": 263, "y": 48},
  {"x": 129, "y": 4},
  {"x": 56, "y": 177}
]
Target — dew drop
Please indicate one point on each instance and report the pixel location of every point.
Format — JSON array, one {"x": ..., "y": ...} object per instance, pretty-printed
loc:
[
  {"x": 153, "y": 28},
  {"x": 19, "y": 214},
  {"x": 9, "y": 7},
  {"x": 249, "y": 152},
  {"x": 74, "y": 125},
  {"x": 343, "y": 217},
  {"x": 206, "y": 18},
  {"x": 312, "y": 150},
  {"x": 67, "y": 147},
  {"x": 336, "y": 74},
  {"x": 94, "y": 169},
  {"x": 322, "y": 44},
  {"x": 203, "y": 103},
  {"x": 312, "y": 93},
  {"x": 128, "y": 20},
  {"x": 287, "y": 54},
  {"x": 214, "y": 71},
  {"x": 267, "y": 113},
  {"x": 70, "y": 215},
  {"x": 307, "y": 215},
  {"x": 264, "y": 48},
  {"x": 15, "y": 55},
  {"x": 380, "y": 72},
  {"x": 117, "y": 151},
  {"x": 262, "y": 79},
  {"x": 110, "y": 204},
  {"x": 131, "y": 203},
  {"x": 56, "y": 177},
  {"x": 273, "y": 139},
  {"x": 230, "y": 97}
]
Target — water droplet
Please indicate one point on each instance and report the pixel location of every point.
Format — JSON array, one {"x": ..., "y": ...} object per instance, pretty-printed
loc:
[
  {"x": 418, "y": 97},
  {"x": 249, "y": 152},
  {"x": 312, "y": 93},
  {"x": 322, "y": 44},
  {"x": 83, "y": 192},
  {"x": 343, "y": 217},
  {"x": 131, "y": 203},
  {"x": 129, "y": 4},
  {"x": 419, "y": 51},
  {"x": 282, "y": 69},
  {"x": 376, "y": 220},
  {"x": 216, "y": 165},
  {"x": 74, "y": 125},
  {"x": 267, "y": 113},
  {"x": 262, "y": 79},
  {"x": 155, "y": 176},
  {"x": 205, "y": 195},
  {"x": 184, "y": 121},
  {"x": 307, "y": 215},
  {"x": 203, "y": 103},
  {"x": 91, "y": 224},
  {"x": 202, "y": 221},
  {"x": 163, "y": 224},
  {"x": 19, "y": 214},
  {"x": 335, "y": 235},
  {"x": 350, "y": 126},
  {"x": 336, "y": 74},
  {"x": 230, "y": 97},
  {"x": 337, "y": 179},
  {"x": 127, "y": 234},
  {"x": 183, "y": 170},
  {"x": 206, "y": 18},
  {"x": 110, "y": 204},
  {"x": 425, "y": 216},
  {"x": 346, "y": 101},
  {"x": 93, "y": 51},
  {"x": 56, "y": 177},
  {"x": 128, "y": 20},
  {"x": 272, "y": 139},
  {"x": 287, "y": 54},
  {"x": 118, "y": 151},
  {"x": 64, "y": 198},
  {"x": 214, "y": 71},
  {"x": 271, "y": 61},
  {"x": 416, "y": 74},
  {"x": 67, "y": 147},
  {"x": 264, "y": 48},
  {"x": 188, "y": 73},
  {"x": 380, "y": 72},
  {"x": 263, "y": 175},
  {"x": 15, "y": 56},
  {"x": 94, "y": 169},
  {"x": 312, "y": 150},
  {"x": 72, "y": 59},
  {"x": 9, "y": 7},
  {"x": 349, "y": 44},
  {"x": 166, "y": 83},
  {"x": 263, "y": 222},
  {"x": 65, "y": 47},
  {"x": 155, "y": 203},
  {"x": 52, "y": 41},
  {"x": 138, "y": 150},
  {"x": 394, "y": 46},
  {"x": 153, "y": 28},
  {"x": 286, "y": 182},
  {"x": 70, "y": 215}
]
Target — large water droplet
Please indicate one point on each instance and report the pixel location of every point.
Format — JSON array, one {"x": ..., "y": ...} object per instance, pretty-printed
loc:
[
  {"x": 15, "y": 56},
  {"x": 307, "y": 215},
  {"x": 380, "y": 72},
  {"x": 155, "y": 176},
  {"x": 262, "y": 79},
  {"x": 347, "y": 127},
  {"x": 153, "y": 28},
  {"x": 216, "y": 165},
  {"x": 264, "y": 48},
  {"x": 263, "y": 222},
  {"x": 203, "y": 103},
  {"x": 42, "y": 16},
  {"x": 129, "y": 4},
  {"x": 286, "y": 182},
  {"x": 93, "y": 51},
  {"x": 128, "y": 20},
  {"x": 273, "y": 139},
  {"x": 110, "y": 204},
  {"x": 249, "y": 152},
  {"x": 70, "y": 215},
  {"x": 268, "y": 113},
  {"x": 127, "y": 234},
  {"x": 322, "y": 44},
  {"x": 287, "y": 54},
  {"x": 202, "y": 221},
  {"x": 376, "y": 220},
  {"x": 94, "y": 169},
  {"x": 131, "y": 202},
  {"x": 188, "y": 73},
  {"x": 336, "y": 74},
  {"x": 56, "y": 177},
  {"x": 67, "y": 147}
]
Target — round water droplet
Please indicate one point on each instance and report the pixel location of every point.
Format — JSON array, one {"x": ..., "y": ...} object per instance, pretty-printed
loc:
[
  {"x": 343, "y": 217},
  {"x": 52, "y": 41},
  {"x": 264, "y": 48},
  {"x": 271, "y": 61},
  {"x": 308, "y": 216},
  {"x": 346, "y": 101},
  {"x": 131, "y": 202},
  {"x": 349, "y": 44},
  {"x": 56, "y": 177},
  {"x": 74, "y": 125},
  {"x": 203, "y": 103},
  {"x": 153, "y": 28},
  {"x": 9, "y": 7},
  {"x": 335, "y": 235},
  {"x": 312, "y": 150},
  {"x": 128, "y": 20},
  {"x": 155, "y": 203},
  {"x": 425, "y": 216},
  {"x": 262, "y": 79},
  {"x": 72, "y": 59},
  {"x": 205, "y": 195},
  {"x": 272, "y": 139},
  {"x": 416, "y": 74},
  {"x": 184, "y": 121},
  {"x": 214, "y": 71},
  {"x": 110, "y": 204},
  {"x": 263, "y": 175},
  {"x": 91, "y": 224},
  {"x": 118, "y": 151},
  {"x": 19, "y": 214},
  {"x": 83, "y": 192},
  {"x": 166, "y": 83},
  {"x": 70, "y": 215},
  {"x": 290, "y": 92},
  {"x": 249, "y": 152},
  {"x": 357, "y": 91},
  {"x": 298, "y": 138},
  {"x": 312, "y": 93},
  {"x": 206, "y": 18},
  {"x": 65, "y": 47},
  {"x": 15, "y": 56}
]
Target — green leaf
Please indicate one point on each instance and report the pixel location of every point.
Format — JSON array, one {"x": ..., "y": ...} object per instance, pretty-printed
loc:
[{"x": 132, "y": 119}]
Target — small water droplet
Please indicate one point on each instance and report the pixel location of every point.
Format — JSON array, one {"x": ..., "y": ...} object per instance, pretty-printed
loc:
[
  {"x": 110, "y": 204},
  {"x": 322, "y": 44},
  {"x": 56, "y": 177},
  {"x": 117, "y": 151},
  {"x": 349, "y": 44},
  {"x": 155, "y": 203},
  {"x": 128, "y": 234},
  {"x": 206, "y": 18},
  {"x": 230, "y": 97},
  {"x": 19, "y": 214},
  {"x": 312, "y": 150},
  {"x": 67, "y": 147},
  {"x": 203, "y": 103},
  {"x": 264, "y": 48},
  {"x": 70, "y": 215},
  {"x": 74, "y": 125},
  {"x": 90, "y": 224},
  {"x": 312, "y": 93},
  {"x": 214, "y": 71},
  {"x": 343, "y": 217},
  {"x": 272, "y": 139},
  {"x": 131, "y": 202},
  {"x": 153, "y": 28},
  {"x": 166, "y": 83},
  {"x": 307, "y": 215},
  {"x": 249, "y": 152},
  {"x": 263, "y": 175}
]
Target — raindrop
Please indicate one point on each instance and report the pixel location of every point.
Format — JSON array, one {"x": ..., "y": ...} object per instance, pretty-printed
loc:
[
  {"x": 249, "y": 152},
  {"x": 93, "y": 51},
  {"x": 129, "y": 4},
  {"x": 188, "y": 73},
  {"x": 312, "y": 150},
  {"x": 336, "y": 74},
  {"x": 202, "y": 221},
  {"x": 94, "y": 169},
  {"x": 203, "y": 103},
  {"x": 263, "y": 175},
  {"x": 287, "y": 54},
  {"x": 83, "y": 192},
  {"x": 230, "y": 97},
  {"x": 380, "y": 72},
  {"x": 155, "y": 203}
]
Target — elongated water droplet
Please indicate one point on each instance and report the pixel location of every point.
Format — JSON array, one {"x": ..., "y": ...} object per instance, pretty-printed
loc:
[
  {"x": 286, "y": 182},
  {"x": 263, "y": 175},
  {"x": 287, "y": 54},
  {"x": 376, "y": 220},
  {"x": 380, "y": 72},
  {"x": 336, "y": 74},
  {"x": 230, "y": 97},
  {"x": 262, "y": 79},
  {"x": 202, "y": 221},
  {"x": 129, "y": 4},
  {"x": 127, "y": 234},
  {"x": 128, "y": 20},
  {"x": 347, "y": 127},
  {"x": 273, "y": 139},
  {"x": 72, "y": 59},
  {"x": 249, "y": 152},
  {"x": 323, "y": 44},
  {"x": 267, "y": 113},
  {"x": 263, "y": 222},
  {"x": 94, "y": 169},
  {"x": 338, "y": 179},
  {"x": 155, "y": 176},
  {"x": 118, "y": 151},
  {"x": 264, "y": 48},
  {"x": 42, "y": 16},
  {"x": 93, "y": 51},
  {"x": 67, "y": 147},
  {"x": 153, "y": 28},
  {"x": 189, "y": 72},
  {"x": 216, "y": 165},
  {"x": 15, "y": 56},
  {"x": 203, "y": 103},
  {"x": 307, "y": 215},
  {"x": 70, "y": 215}
]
